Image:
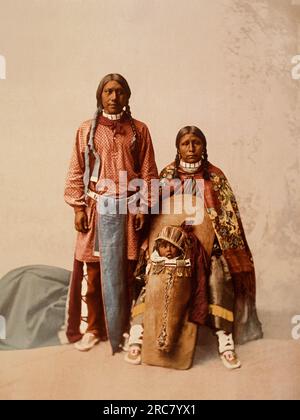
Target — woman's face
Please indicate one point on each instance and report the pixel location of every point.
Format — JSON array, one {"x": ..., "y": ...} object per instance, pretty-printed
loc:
[{"x": 190, "y": 148}]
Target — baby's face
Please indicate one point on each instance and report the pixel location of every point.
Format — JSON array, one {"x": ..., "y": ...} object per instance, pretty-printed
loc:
[{"x": 168, "y": 250}]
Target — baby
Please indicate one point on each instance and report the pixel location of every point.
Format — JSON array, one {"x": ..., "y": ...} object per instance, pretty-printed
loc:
[{"x": 169, "y": 249}]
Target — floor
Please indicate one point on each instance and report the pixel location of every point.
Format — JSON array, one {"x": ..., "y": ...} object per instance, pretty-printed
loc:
[{"x": 270, "y": 370}]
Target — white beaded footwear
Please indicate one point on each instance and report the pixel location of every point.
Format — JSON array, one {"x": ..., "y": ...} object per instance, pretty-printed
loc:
[
  {"x": 134, "y": 355},
  {"x": 226, "y": 350},
  {"x": 87, "y": 342}
]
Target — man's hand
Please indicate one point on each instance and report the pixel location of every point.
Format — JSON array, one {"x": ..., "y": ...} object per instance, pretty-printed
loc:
[
  {"x": 139, "y": 221},
  {"x": 81, "y": 221}
]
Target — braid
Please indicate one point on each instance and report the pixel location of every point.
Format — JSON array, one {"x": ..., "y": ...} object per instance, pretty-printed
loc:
[
  {"x": 133, "y": 127},
  {"x": 94, "y": 125},
  {"x": 136, "y": 151},
  {"x": 205, "y": 164},
  {"x": 177, "y": 163}
]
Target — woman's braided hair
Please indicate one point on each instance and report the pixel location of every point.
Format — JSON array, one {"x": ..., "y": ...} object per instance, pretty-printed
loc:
[{"x": 191, "y": 129}]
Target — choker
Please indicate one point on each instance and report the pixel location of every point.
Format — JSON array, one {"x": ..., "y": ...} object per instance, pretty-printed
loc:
[
  {"x": 113, "y": 117},
  {"x": 190, "y": 167}
]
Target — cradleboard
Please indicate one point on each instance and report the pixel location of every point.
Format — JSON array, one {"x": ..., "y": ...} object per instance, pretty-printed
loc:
[{"x": 169, "y": 338}]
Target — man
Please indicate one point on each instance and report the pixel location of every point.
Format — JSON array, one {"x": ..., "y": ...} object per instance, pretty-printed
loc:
[{"x": 110, "y": 144}]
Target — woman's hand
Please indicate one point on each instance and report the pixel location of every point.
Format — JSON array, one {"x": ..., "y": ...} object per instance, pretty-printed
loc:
[
  {"x": 81, "y": 221},
  {"x": 139, "y": 221}
]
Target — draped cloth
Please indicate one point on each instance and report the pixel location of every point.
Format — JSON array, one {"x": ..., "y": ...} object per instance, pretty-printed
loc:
[
  {"x": 221, "y": 206},
  {"x": 113, "y": 260},
  {"x": 33, "y": 305}
]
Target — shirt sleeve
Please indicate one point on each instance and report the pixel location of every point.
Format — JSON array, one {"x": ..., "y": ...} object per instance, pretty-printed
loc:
[
  {"x": 148, "y": 171},
  {"x": 74, "y": 187}
]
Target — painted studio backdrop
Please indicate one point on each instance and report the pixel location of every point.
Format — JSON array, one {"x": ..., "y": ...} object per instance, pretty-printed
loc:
[{"x": 231, "y": 67}]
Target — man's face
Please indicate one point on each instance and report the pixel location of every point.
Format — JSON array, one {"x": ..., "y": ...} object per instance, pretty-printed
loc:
[
  {"x": 190, "y": 148},
  {"x": 168, "y": 250},
  {"x": 113, "y": 97}
]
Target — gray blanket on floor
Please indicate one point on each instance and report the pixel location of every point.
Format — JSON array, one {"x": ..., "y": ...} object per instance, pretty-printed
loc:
[{"x": 32, "y": 306}]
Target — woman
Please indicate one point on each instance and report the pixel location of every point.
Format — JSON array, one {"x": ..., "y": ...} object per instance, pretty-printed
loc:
[{"x": 231, "y": 304}]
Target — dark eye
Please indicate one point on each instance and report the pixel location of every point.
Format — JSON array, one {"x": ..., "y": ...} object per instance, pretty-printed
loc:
[{"x": 197, "y": 143}]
